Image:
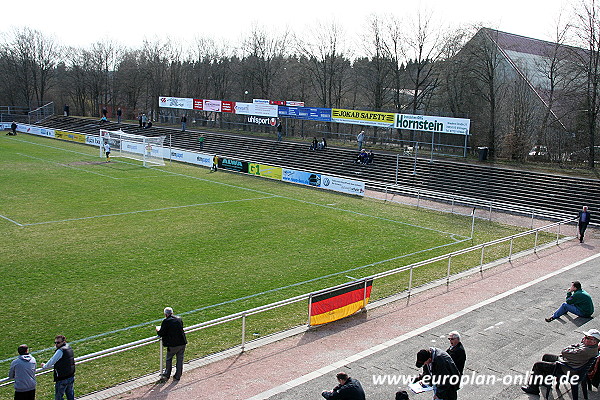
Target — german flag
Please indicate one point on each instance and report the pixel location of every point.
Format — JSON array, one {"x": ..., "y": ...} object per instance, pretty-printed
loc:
[{"x": 339, "y": 303}]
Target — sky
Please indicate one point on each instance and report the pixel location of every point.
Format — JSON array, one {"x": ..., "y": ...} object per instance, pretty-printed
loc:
[{"x": 129, "y": 22}]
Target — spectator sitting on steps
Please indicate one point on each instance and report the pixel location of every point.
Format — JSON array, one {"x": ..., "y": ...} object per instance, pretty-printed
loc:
[
  {"x": 577, "y": 302},
  {"x": 370, "y": 157},
  {"x": 315, "y": 144},
  {"x": 323, "y": 144}
]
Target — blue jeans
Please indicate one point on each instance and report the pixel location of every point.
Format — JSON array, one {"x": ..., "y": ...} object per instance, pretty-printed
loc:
[
  {"x": 564, "y": 308},
  {"x": 64, "y": 387}
]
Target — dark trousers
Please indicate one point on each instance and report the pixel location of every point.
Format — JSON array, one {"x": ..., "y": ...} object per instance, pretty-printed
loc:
[
  {"x": 582, "y": 228},
  {"x": 30, "y": 395},
  {"x": 177, "y": 352},
  {"x": 544, "y": 368}
]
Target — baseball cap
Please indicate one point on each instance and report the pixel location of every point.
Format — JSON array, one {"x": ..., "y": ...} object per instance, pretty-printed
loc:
[
  {"x": 422, "y": 356},
  {"x": 593, "y": 333}
]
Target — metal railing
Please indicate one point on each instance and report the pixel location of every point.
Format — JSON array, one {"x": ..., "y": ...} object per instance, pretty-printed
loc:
[
  {"x": 489, "y": 206},
  {"x": 243, "y": 315},
  {"x": 41, "y": 113}
]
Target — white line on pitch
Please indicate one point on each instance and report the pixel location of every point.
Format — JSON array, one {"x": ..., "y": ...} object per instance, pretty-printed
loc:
[
  {"x": 144, "y": 211},
  {"x": 66, "y": 165},
  {"x": 10, "y": 220},
  {"x": 270, "y": 194}
]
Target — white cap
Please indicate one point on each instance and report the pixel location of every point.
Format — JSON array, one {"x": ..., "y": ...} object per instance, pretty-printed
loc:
[{"x": 593, "y": 333}]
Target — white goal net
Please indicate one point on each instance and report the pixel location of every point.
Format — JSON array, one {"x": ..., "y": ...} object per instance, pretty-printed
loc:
[{"x": 147, "y": 149}]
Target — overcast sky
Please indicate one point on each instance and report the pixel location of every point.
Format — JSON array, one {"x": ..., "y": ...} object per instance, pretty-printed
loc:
[{"x": 81, "y": 23}]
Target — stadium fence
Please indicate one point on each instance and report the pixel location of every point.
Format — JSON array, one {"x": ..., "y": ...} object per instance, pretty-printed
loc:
[{"x": 478, "y": 252}]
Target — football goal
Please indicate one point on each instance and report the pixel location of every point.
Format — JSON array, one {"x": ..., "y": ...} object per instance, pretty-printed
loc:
[{"x": 147, "y": 149}]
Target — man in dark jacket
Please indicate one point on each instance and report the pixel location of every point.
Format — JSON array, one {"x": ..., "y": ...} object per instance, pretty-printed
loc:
[
  {"x": 443, "y": 374},
  {"x": 63, "y": 362},
  {"x": 173, "y": 338},
  {"x": 578, "y": 302},
  {"x": 583, "y": 219},
  {"x": 457, "y": 351},
  {"x": 348, "y": 389}
]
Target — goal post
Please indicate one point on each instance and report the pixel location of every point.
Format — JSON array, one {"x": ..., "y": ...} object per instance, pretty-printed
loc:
[{"x": 148, "y": 149}]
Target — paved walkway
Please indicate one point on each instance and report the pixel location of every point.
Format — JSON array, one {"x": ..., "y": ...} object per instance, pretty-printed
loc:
[{"x": 499, "y": 312}]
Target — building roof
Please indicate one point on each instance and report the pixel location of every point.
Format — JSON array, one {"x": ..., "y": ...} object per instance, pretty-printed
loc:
[{"x": 531, "y": 59}]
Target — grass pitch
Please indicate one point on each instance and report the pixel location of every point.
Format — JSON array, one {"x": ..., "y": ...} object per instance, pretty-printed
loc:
[{"x": 95, "y": 250}]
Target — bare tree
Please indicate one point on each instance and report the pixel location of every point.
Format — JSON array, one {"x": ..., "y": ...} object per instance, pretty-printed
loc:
[
  {"x": 322, "y": 51},
  {"x": 375, "y": 71},
  {"x": 487, "y": 75},
  {"x": 423, "y": 49},
  {"x": 103, "y": 56},
  {"x": 31, "y": 59},
  {"x": 588, "y": 30},
  {"x": 263, "y": 60},
  {"x": 561, "y": 93},
  {"x": 158, "y": 56}
]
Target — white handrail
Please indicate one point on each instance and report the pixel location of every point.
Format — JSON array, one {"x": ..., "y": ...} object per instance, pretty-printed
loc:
[{"x": 306, "y": 296}]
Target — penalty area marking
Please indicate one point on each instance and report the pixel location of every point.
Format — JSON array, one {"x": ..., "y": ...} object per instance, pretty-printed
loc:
[
  {"x": 66, "y": 165},
  {"x": 10, "y": 220},
  {"x": 332, "y": 207},
  {"x": 145, "y": 211}
]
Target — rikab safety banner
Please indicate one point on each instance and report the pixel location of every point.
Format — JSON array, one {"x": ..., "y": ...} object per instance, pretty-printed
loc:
[
  {"x": 456, "y": 126},
  {"x": 359, "y": 117}
]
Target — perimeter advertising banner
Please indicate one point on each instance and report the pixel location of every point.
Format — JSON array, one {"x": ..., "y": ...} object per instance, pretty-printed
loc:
[
  {"x": 259, "y": 109},
  {"x": 188, "y": 157},
  {"x": 73, "y": 137},
  {"x": 457, "y": 126},
  {"x": 266, "y": 171},
  {"x": 233, "y": 165},
  {"x": 307, "y": 113},
  {"x": 359, "y": 117},
  {"x": 176, "y": 102},
  {"x": 212, "y": 105},
  {"x": 93, "y": 140},
  {"x": 343, "y": 185},
  {"x": 301, "y": 177},
  {"x": 35, "y": 130}
]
